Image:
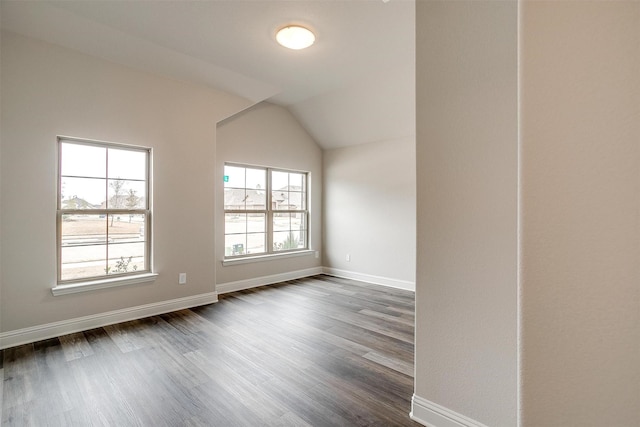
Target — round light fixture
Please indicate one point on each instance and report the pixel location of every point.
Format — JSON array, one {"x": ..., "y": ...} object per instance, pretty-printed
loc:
[{"x": 295, "y": 37}]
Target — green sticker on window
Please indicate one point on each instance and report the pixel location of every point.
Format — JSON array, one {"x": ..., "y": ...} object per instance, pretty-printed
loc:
[{"x": 226, "y": 178}]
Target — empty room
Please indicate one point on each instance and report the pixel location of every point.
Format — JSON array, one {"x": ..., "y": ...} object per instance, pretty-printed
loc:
[
  {"x": 320, "y": 213},
  {"x": 178, "y": 161}
]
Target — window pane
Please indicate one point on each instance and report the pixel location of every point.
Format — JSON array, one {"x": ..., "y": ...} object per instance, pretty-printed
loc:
[
  {"x": 299, "y": 226},
  {"x": 79, "y": 262},
  {"x": 256, "y": 243},
  {"x": 83, "y": 160},
  {"x": 83, "y": 246},
  {"x": 256, "y": 178},
  {"x": 126, "y": 257},
  {"x": 245, "y": 188},
  {"x": 256, "y": 200},
  {"x": 83, "y": 193},
  {"x": 131, "y": 228},
  {"x": 281, "y": 221},
  {"x": 127, "y": 164},
  {"x": 245, "y": 234},
  {"x": 145, "y": 227},
  {"x": 296, "y": 200},
  {"x": 124, "y": 194},
  {"x": 135, "y": 196},
  {"x": 234, "y": 176},
  {"x": 82, "y": 230},
  {"x": 280, "y": 200},
  {"x": 298, "y": 221},
  {"x": 235, "y": 223},
  {"x": 85, "y": 241},
  {"x": 234, "y": 198},
  {"x": 286, "y": 240},
  {"x": 295, "y": 181},
  {"x": 279, "y": 180},
  {"x": 125, "y": 227},
  {"x": 234, "y": 244},
  {"x": 256, "y": 223}
]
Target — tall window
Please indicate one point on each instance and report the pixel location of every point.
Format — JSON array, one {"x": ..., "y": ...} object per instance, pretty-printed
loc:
[
  {"x": 265, "y": 210},
  {"x": 103, "y": 216}
]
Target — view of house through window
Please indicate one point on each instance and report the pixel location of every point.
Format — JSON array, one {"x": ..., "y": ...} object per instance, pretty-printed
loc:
[
  {"x": 265, "y": 210},
  {"x": 103, "y": 212}
]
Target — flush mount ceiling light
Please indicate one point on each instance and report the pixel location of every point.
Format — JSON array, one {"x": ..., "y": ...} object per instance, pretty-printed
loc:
[{"x": 295, "y": 37}]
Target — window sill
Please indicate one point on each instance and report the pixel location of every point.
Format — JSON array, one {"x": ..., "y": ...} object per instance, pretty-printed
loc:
[
  {"x": 259, "y": 258},
  {"x": 92, "y": 285}
]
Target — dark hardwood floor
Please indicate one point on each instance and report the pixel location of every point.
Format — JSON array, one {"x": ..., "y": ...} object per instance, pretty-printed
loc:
[{"x": 319, "y": 351}]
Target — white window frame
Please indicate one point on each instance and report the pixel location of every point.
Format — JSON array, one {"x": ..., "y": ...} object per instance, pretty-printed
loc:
[
  {"x": 269, "y": 252},
  {"x": 105, "y": 280}
]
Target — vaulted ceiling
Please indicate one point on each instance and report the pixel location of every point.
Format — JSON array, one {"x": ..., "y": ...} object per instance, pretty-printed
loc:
[{"x": 355, "y": 85}]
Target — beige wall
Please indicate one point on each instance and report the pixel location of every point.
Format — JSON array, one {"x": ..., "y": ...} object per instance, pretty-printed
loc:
[
  {"x": 49, "y": 91},
  {"x": 1, "y": 37},
  {"x": 369, "y": 210},
  {"x": 466, "y": 281},
  {"x": 580, "y": 191},
  {"x": 579, "y": 203},
  {"x": 268, "y": 135}
]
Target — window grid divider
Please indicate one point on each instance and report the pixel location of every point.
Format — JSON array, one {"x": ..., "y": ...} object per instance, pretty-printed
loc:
[
  {"x": 270, "y": 211},
  {"x": 107, "y": 212}
]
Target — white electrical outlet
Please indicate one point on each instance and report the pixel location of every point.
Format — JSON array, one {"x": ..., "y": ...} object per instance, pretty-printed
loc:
[
  {"x": 182, "y": 278},
  {"x": 348, "y": 257},
  {"x": 317, "y": 254}
]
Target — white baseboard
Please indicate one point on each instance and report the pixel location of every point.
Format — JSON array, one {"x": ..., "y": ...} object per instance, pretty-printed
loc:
[
  {"x": 223, "y": 288},
  {"x": 433, "y": 415},
  {"x": 378, "y": 280},
  {"x": 56, "y": 329}
]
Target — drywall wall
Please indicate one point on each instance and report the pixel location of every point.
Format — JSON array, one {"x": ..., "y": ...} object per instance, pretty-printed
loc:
[
  {"x": 268, "y": 135},
  {"x": 0, "y": 184},
  {"x": 580, "y": 85},
  {"x": 49, "y": 91},
  {"x": 466, "y": 153},
  {"x": 370, "y": 211}
]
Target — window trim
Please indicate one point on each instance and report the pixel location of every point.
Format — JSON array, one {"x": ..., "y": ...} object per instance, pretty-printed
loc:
[
  {"x": 103, "y": 281},
  {"x": 110, "y": 282},
  {"x": 266, "y": 257},
  {"x": 269, "y": 253}
]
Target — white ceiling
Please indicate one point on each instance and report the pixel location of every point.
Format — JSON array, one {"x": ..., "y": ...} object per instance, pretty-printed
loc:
[{"x": 355, "y": 85}]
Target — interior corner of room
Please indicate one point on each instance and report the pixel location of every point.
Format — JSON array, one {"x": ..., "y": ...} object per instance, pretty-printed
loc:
[{"x": 481, "y": 155}]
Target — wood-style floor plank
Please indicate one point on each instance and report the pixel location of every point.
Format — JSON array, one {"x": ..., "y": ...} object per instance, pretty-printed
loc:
[
  {"x": 320, "y": 351},
  {"x": 75, "y": 346}
]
